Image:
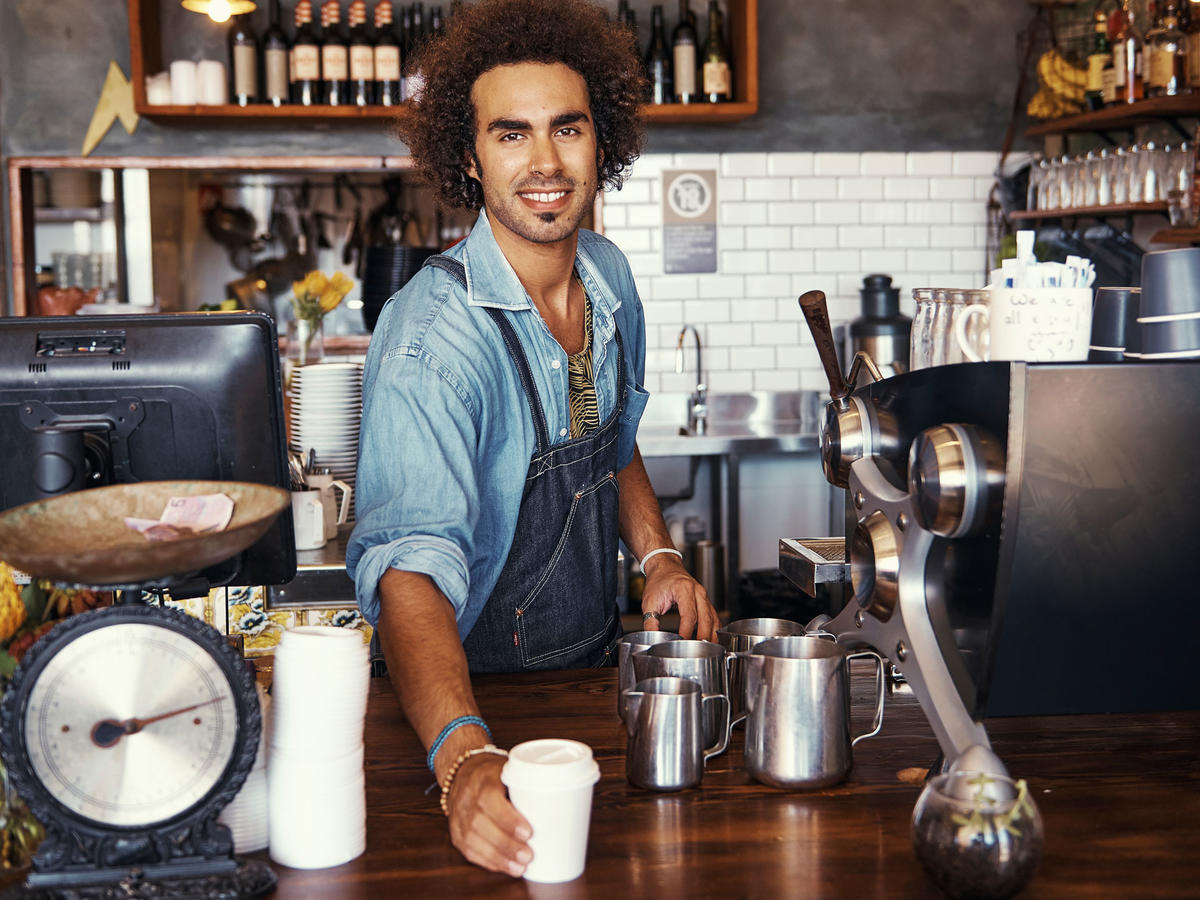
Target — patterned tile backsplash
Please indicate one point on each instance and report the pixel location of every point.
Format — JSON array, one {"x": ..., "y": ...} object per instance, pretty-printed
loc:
[{"x": 788, "y": 223}]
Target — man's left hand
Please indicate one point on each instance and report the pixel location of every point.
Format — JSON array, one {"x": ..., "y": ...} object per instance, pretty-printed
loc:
[{"x": 669, "y": 584}]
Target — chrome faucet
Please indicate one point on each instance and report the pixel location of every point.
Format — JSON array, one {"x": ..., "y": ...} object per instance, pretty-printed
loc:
[{"x": 698, "y": 401}]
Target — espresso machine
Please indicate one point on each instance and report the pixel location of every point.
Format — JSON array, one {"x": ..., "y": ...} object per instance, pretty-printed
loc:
[{"x": 1021, "y": 538}]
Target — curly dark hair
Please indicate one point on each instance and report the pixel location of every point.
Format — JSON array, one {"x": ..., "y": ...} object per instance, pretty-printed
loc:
[{"x": 440, "y": 129}]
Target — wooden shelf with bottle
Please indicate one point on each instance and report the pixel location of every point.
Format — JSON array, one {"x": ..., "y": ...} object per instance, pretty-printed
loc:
[
  {"x": 1092, "y": 212},
  {"x": 145, "y": 55},
  {"x": 1122, "y": 116}
]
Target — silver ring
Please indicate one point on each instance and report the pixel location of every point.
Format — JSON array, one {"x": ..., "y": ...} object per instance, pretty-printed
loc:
[{"x": 647, "y": 616}]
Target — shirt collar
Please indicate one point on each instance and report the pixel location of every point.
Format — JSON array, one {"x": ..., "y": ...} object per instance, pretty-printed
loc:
[{"x": 492, "y": 281}]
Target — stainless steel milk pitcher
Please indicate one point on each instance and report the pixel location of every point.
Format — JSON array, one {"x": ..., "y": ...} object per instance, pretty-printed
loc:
[
  {"x": 797, "y": 699},
  {"x": 700, "y": 661},
  {"x": 629, "y": 644},
  {"x": 665, "y": 720}
]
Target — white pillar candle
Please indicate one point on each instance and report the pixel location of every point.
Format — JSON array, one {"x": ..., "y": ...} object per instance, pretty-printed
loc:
[
  {"x": 211, "y": 89},
  {"x": 183, "y": 82}
]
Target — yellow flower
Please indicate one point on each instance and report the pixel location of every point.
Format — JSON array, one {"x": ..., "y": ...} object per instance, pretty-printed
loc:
[
  {"x": 313, "y": 285},
  {"x": 335, "y": 290}
]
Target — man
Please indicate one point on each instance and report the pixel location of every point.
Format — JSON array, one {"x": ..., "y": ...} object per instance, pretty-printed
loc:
[{"x": 501, "y": 398}]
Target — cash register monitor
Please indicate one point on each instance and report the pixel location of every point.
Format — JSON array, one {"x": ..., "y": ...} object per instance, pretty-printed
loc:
[{"x": 87, "y": 401}]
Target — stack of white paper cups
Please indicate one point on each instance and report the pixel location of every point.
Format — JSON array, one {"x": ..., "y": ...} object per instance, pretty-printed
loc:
[
  {"x": 316, "y": 788},
  {"x": 246, "y": 815}
]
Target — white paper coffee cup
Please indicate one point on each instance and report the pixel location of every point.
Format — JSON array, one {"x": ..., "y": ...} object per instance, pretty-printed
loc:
[{"x": 550, "y": 783}]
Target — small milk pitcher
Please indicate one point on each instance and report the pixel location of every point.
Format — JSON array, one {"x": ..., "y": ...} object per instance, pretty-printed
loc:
[
  {"x": 699, "y": 661},
  {"x": 665, "y": 720},
  {"x": 798, "y": 711}
]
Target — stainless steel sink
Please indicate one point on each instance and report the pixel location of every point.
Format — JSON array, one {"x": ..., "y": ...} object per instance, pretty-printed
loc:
[{"x": 758, "y": 421}]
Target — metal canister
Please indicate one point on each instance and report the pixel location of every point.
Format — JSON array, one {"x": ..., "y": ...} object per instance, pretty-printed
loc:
[{"x": 881, "y": 330}]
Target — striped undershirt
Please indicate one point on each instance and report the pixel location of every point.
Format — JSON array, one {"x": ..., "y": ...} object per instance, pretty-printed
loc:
[{"x": 581, "y": 379}]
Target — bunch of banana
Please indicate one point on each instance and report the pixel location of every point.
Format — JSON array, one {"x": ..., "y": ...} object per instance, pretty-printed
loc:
[
  {"x": 12, "y": 608},
  {"x": 1061, "y": 87}
]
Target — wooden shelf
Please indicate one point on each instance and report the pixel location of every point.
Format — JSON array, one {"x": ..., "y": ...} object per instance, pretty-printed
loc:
[
  {"x": 61, "y": 214},
  {"x": 1097, "y": 212},
  {"x": 145, "y": 55},
  {"x": 1121, "y": 117},
  {"x": 666, "y": 114},
  {"x": 1188, "y": 236}
]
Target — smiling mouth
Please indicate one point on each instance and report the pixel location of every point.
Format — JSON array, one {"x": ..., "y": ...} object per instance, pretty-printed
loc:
[{"x": 543, "y": 196}]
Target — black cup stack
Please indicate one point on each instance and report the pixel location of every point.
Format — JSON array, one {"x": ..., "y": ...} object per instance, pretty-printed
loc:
[
  {"x": 1114, "y": 321},
  {"x": 1169, "y": 316},
  {"x": 388, "y": 268}
]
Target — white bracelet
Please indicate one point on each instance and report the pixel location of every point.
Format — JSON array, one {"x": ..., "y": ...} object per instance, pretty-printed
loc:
[{"x": 654, "y": 553}]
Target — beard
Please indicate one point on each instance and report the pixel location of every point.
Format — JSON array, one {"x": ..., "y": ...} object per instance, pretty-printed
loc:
[{"x": 504, "y": 206}]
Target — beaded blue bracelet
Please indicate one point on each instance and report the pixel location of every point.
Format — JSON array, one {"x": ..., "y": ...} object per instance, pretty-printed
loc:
[{"x": 450, "y": 728}]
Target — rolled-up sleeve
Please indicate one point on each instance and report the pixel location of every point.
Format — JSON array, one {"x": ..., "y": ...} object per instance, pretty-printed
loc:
[{"x": 417, "y": 491}]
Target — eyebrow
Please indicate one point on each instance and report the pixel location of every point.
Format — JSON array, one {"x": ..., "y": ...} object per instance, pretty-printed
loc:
[{"x": 566, "y": 118}]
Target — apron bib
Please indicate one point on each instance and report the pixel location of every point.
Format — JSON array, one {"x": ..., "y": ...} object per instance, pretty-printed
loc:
[{"x": 554, "y": 605}]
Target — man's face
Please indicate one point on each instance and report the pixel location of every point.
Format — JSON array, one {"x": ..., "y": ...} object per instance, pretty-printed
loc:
[{"x": 535, "y": 146}]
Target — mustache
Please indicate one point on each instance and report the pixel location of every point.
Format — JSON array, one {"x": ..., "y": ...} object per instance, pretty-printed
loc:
[{"x": 544, "y": 185}]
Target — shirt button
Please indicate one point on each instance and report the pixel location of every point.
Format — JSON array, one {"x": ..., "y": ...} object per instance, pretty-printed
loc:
[
  {"x": 555, "y": 364},
  {"x": 562, "y": 432}
]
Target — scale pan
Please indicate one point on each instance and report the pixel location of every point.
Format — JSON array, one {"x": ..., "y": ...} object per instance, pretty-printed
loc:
[{"x": 81, "y": 537}]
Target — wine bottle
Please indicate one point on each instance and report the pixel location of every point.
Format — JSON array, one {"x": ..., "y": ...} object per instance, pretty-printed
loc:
[
  {"x": 658, "y": 60},
  {"x": 275, "y": 60},
  {"x": 436, "y": 26},
  {"x": 335, "y": 56},
  {"x": 717, "y": 86},
  {"x": 243, "y": 61},
  {"x": 683, "y": 51},
  {"x": 414, "y": 81},
  {"x": 387, "y": 57},
  {"x": 306, "y": 58},
  {"x": 362, "y": 56}
]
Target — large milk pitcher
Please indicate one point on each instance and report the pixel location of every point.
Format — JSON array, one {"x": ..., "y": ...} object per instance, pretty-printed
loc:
[
  {"x": 798, "y": 711},
  {"x": 665, "y": 720},
  {"x": 742, "y": 636}
]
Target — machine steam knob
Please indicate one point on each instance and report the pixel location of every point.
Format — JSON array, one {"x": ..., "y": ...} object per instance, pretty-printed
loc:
[{"x": 956, "y": 479}]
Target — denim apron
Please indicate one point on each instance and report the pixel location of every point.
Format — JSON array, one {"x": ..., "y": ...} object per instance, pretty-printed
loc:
[{"x": 554, "y": 605}]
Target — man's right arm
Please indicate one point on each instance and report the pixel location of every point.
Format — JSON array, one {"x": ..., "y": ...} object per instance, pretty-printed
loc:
[{"x": 429, "y": 672}]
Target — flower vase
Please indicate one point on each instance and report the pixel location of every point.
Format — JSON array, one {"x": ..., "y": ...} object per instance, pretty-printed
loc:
[{"x": 306, "y": 341}]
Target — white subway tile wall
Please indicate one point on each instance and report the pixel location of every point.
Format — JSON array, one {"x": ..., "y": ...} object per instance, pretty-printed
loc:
[{"x": 788, "y": 223}]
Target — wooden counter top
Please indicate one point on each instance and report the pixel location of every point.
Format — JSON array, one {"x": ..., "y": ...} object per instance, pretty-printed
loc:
[{"x": 1120, "y": 797}]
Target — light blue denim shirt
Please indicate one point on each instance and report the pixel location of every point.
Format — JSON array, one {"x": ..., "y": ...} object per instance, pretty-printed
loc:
[{"x": 447, "y": 435}]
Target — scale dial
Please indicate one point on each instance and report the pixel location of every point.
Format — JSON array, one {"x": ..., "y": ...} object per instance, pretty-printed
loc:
[{"x": 129, "y": 726}]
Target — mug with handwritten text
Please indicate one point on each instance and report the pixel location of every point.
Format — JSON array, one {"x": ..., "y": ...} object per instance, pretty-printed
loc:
[{"x": 1043, "y": 324}]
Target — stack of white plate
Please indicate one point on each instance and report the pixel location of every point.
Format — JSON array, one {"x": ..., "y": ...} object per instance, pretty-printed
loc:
[
  {"x": 316, "y": 788},
  {"x": 326, "y": 408},
  {"x": 246, "y": 815}
]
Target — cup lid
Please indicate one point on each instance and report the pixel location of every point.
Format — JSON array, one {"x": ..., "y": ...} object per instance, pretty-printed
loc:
[{"x": 550, "y": 764}]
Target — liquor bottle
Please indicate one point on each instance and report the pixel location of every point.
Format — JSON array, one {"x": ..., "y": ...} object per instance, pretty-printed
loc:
[
  {"x": 436, "y": 25},
  {"x": 1127, "y": 57},
  {"x": 243, "y": 61},
  {"x": 717, "y": 87},
  {"x": 683, "y": 52},
  {"x": 1108, "y": 75},
  {"x": 275, "y": 60},
  {"x": 1168, "y": 72},
  {"x": 335, "y": 56},
  {"x": 306, "y": 58},
  {"x": 1098, "y": 59},
  {"x": 362, "y": 56},
  {"x": 1191, "y": 41},
  {"x": 387, "y": 57},
  {"x": 1149, "y": 44},
  {"x": 622, "y": 11}
]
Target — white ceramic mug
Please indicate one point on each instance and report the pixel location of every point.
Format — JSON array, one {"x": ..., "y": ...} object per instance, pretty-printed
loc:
[
  {"x": 308, "y": 517},
  {"x": 335, "y": 513},
  {"x": 1046, "y": 324}
]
